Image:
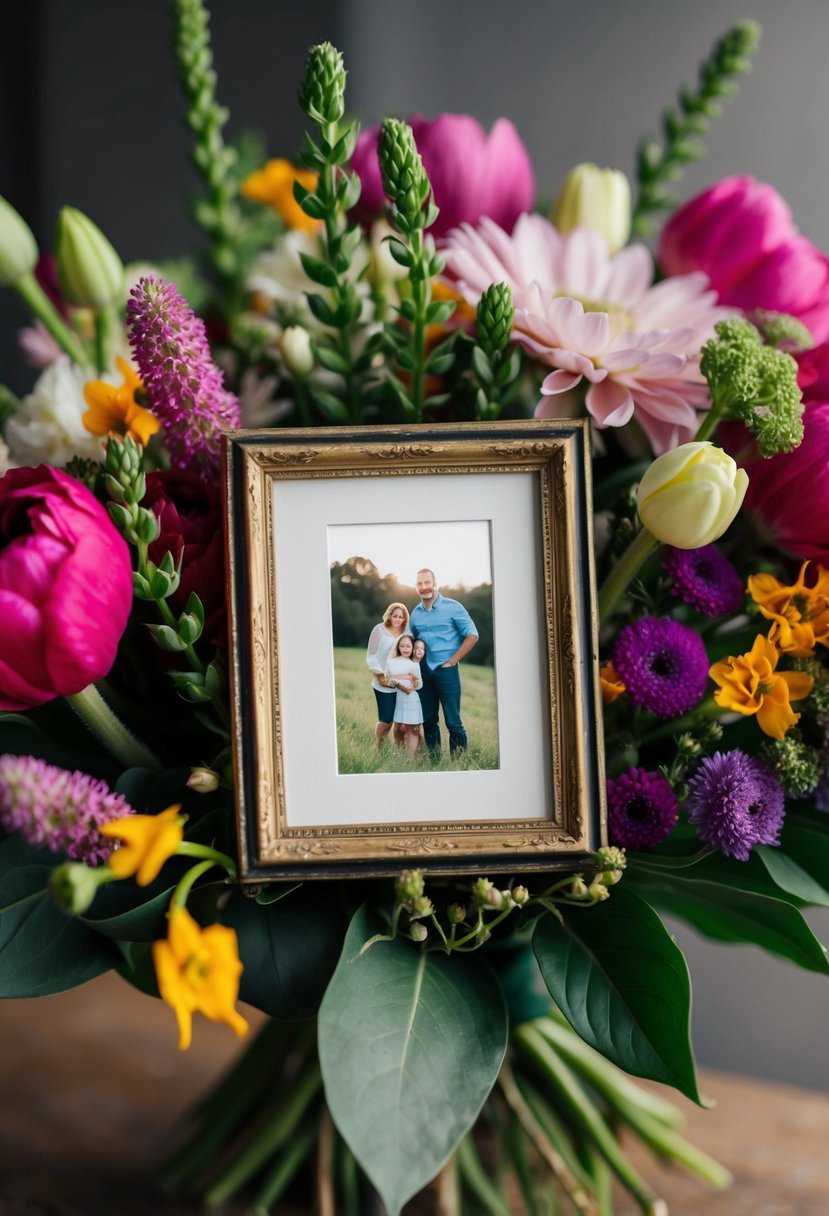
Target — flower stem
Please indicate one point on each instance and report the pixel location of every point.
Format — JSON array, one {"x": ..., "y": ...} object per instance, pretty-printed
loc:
[
  {"x": 643, "y": 545},
  {"x": 37, "y": 300},
  {"x": 188, "y": 882},
  {"x": 102, "y": 330},
  {"x": 94, "y": 712},
  {"x": 189, "y": 848}
]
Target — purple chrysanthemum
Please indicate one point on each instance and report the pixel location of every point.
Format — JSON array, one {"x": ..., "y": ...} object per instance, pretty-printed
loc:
[
  {"x": 662, "y": 664},
  {"x": 735, "y": 801},
  {"x": 641, "y": 809},
  {"x": 54, "y": 809},
  {"x": 705, "y": 579},
  {"x": 184, "y": 387}
]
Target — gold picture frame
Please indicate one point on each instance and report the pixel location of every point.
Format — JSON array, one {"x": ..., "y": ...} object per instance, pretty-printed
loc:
[{"x": 542, "y": 805}]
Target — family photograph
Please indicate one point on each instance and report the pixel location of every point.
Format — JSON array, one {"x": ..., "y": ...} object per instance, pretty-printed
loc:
[{"x": 413, "y": 657}]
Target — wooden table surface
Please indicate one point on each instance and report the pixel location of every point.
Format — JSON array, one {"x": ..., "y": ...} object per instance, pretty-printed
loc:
[{"x": 93, "y": 1089}]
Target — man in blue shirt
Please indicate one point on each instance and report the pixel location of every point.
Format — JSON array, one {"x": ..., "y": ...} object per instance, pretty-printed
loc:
[{"x": 449, "y": 633}]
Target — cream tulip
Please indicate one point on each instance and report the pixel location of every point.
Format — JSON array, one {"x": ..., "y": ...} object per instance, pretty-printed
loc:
[
  {"x": 690, "y": 495},
  {"x": 595, "y": 198}
]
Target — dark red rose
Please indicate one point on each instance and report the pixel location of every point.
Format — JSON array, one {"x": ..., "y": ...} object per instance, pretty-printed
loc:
[{"x": 190, "y": 517}]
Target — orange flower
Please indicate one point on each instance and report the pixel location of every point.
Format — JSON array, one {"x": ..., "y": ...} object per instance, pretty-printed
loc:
[
  {"x": 273, "y": 185},
  {"x": 612, "y": 684},
  {"x": 751, "y": 684},
  {"x": 198, "y": 971},
  {"x": 147, "y": 841},
  {"x": 799, "y": 613},
  {"x": 114, "y": 410}
]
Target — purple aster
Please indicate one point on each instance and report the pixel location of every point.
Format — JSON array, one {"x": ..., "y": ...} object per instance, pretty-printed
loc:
[
  {"x": 185, "y": 389},
  {"x": 662, "y": 664},
  {"x": 735, "y": 801},
  {"x": 54, "y": 809},
  {"x": 641, "y": 809},
  {"x": 705, "y": 579}
]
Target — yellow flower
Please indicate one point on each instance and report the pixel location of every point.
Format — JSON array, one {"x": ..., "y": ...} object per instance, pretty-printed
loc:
[
  {"x": 613, "y": 686},
  {"x": 114, "y": 410},
  {"x": 690, "y": 495},
  {"x": 198, "y": 971},
  {"x": 750, "y": 684},
  {"x": 799, "y": 614},
  {"x": 595, "y": 198},
  {"x": 273, "y": 185},
  {"x": 147, "y": 841}
]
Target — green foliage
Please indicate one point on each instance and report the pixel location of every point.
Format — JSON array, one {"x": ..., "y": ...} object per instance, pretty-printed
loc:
[
  {"x": 622, "y": 983},
  {"x": 657, "y": 164},
  {"x": 410, "y": 1045},
  {"x": 42, "y": 949},
  {"x": 290, "y": 948}
]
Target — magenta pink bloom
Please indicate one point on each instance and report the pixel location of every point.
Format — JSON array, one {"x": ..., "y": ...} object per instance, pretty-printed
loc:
[
  {"x": 472, "y": 173},
  {"x": 789, "y": 494},
  {"x": 65, "y": 587},
  {"x": 589, "y": 315},
  {"x": 741, "y": 234},
  {"x": 184, "y": 387}
]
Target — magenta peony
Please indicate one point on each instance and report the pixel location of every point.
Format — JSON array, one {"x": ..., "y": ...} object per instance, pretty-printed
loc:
[
  {"x": 741, "y": 234},
  {"x": 65, "y": 587},
  {"x": 472, "y": 174},
  {"x": 789, "y": 494},
  {"x": 190, "y": 516}
]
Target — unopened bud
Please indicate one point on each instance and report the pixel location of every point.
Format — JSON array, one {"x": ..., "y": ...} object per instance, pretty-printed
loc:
[
  {"x": 90, "y": 273},
  {"x": 203, "y": 780},
  {"x": 295, "y": 348},
  {"x": 18, "y": 247},
  {"x": 418, "y": 933},
  {"x": 480, "y": 891},
  {"x": 456, "y": 914},
  {"x": 322, "y": 93},
  {"x": 422, "y": 906},
  {"x": 597, "y": 890},
  {"x": 494, "y": 317},
  {"x": 75, "y": 885},
  {"x": 409, "y": 886},
  {"x": 404, "y": 179},
  {"x": 520, "y": 895},
  {"x": 595, "y": 198},
  {"x": 578, "y": 887}
]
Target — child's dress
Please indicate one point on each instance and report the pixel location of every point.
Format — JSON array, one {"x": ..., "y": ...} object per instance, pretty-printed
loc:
[{"x": 408, "y": 708}]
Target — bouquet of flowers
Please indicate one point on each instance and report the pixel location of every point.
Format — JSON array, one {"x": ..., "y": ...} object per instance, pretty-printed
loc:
[{"x": 472, "y": 1035}]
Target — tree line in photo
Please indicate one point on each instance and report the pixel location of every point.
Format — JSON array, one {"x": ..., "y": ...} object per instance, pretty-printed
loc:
[{"x": 360, "y": 596}]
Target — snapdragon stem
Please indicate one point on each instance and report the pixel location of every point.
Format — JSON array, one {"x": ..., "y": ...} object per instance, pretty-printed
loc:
[
  {"x": 188, "y": 882},
  {"x": 189, "y": 848},
  {"x": 97, "y": 716},
  {"x": 643, "y": 546},
  {"x": 37, "y": 300}
]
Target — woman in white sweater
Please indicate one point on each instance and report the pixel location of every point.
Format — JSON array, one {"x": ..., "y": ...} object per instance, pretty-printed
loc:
[{"x": 383, "y": 637}]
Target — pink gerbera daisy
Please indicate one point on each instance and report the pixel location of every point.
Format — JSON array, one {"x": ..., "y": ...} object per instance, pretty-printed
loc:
[{"x": 590, "y": 315}]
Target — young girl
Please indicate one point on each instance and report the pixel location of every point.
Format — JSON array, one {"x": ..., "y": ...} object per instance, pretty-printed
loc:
[{"x": 403, "y": 673}]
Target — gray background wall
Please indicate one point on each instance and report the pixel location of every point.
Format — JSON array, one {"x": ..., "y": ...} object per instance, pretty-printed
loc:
[{"x": 89, "y": 115}]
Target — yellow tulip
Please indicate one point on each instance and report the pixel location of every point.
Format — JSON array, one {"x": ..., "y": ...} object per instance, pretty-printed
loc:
[
  {"x": 690, "y": 495},
  {"x": 595, "y": 198}
]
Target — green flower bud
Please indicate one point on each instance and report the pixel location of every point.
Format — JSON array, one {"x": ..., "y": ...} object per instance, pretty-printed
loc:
[
  {"x": 90, "y": 273},
  {"x": 494, "y": 317},
  {"x": 74, "y": 885},
  {"x": 404, "y": 178},
  {"x": 418, "y": 933},
  {"x": 295, "y": 348},
  {"x": 597, "y": 890},
  {"x": 18, "y": 247},
  {"x": 595, "y": 198},
  {"x": 481, "y": 889},
  {"x": 422, "y": 906},
  {"x": 578, "y": 887},
  {"x": 202, "y": 780},
  {"x": 456, "y": 914},
  {"x": 610, "y": 857},
  {"x": 322, "y": 93},
  {"x": 796, "y": 764},
  {"x": 520, "y": 895},
  {"x": 409, "y": 886}
]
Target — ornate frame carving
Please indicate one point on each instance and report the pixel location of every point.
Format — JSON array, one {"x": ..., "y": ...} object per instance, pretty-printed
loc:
[{"x": 557, "y": 454}]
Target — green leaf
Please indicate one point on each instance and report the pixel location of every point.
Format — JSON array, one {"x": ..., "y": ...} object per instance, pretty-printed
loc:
[
  {"x": 332, "y": 360},
  {"x": 729, "y": 914},
  {"x": 622, "y": 983},
  {"x": 42, "y": 948},
  {"x": 791, "y": 877},
  {"x": 437, "y": 364},
  {"x": 290, "y": 949},
  {"x": 410, "y": 1045},
  {"x": 317, "y": 271},
  {"x": 481, "y": 364},
  {"x": 321, "y": 309}
]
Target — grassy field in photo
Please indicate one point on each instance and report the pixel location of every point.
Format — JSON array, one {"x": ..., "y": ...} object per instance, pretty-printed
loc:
[{"x": 357, "y": 717}]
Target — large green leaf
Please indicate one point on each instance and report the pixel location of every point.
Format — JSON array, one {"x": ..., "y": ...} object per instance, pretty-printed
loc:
[
  {"x": 729, "y": 914},
  {"x": 410, "y": 1046},
  {"x": 791, "y": 877},
  {"x": 290, "y": 949},
  {"x": 622, "y": 983},
  {"x": 42, "y": 948}
]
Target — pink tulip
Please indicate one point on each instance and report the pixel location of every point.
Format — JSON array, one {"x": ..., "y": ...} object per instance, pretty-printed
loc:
[
  {"x": 740, "y": 232},
  {"x": 65, "y": 587},
  {"x": 472, "y": 174}
]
